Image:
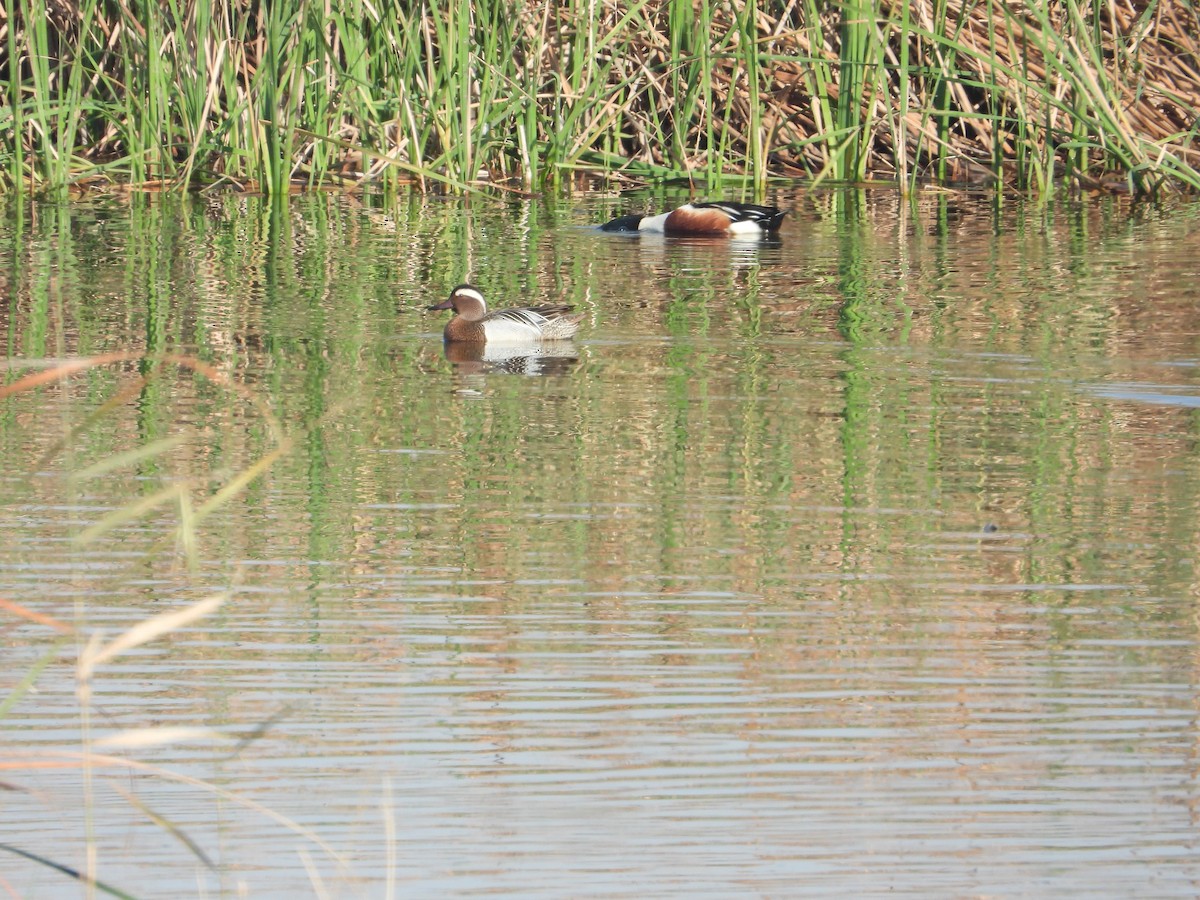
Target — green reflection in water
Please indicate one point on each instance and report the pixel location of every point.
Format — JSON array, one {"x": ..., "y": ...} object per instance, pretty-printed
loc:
[
  {"x": 921, "y": 479},
  {"x": 834, "y": 404}
]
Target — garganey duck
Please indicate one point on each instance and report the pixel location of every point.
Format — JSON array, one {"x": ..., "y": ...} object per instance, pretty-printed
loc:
[
  {"x": 472, "y": 322},
  {"x": 710, "y": 219}
]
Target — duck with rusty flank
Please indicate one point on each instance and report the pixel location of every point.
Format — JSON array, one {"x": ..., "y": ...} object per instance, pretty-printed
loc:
[
  {"x": 704, "y": 219},
  {"x": 472, "y": 323}
]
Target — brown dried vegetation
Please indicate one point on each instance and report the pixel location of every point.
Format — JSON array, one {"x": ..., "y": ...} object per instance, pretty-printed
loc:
[{"x": 1100, "y": 94}]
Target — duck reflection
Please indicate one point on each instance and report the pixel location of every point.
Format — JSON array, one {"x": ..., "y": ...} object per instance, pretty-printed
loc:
[
  {"x": 738, "y": 252},
  {"x": 534, "y": 358}
]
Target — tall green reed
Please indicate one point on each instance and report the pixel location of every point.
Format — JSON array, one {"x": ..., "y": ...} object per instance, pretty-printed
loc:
[{"x": 269, "y": 96}]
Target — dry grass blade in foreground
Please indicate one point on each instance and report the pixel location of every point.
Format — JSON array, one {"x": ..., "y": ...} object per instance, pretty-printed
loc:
[{"x": 94, "y": 650}]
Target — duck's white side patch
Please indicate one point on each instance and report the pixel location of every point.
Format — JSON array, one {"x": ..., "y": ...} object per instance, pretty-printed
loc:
[
  {"x": 746, "y": 226},
  {"x": 656, "y": 224},
  {"x": 515, "y": 326}
]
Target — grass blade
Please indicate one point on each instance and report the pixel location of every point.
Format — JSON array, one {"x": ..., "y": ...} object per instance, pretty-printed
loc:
[
  {"x": 67, "y": 870},
  {"x": 146, "y": 631}
]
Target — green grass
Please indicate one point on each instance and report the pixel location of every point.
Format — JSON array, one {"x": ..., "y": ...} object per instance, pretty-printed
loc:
[{"x": 271, "y": 97}]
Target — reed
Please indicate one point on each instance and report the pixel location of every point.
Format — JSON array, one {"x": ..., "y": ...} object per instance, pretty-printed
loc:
[
  {"x": 84, "y": 646},
  {"x": 192, "y": 93}
]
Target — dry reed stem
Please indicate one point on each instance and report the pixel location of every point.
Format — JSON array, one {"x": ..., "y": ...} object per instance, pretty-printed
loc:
[
  {"x": 52, "y": 759},
  {"x": 1131, "y": 89}
]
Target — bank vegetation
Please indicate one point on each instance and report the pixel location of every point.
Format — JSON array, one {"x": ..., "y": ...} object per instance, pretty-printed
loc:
[{"x": 1037, "y": 96}]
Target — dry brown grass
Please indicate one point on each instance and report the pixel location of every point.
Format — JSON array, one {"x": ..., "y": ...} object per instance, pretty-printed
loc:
[{"x": 1101, "y": 93}]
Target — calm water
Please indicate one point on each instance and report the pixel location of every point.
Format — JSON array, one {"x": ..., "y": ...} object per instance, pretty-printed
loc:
[{"x": 860, "y": 563}]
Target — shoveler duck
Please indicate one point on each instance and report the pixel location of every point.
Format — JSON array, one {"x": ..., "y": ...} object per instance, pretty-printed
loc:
[
  {"x": 704, "y": 219},
  {"x": 473, "y": 323}
]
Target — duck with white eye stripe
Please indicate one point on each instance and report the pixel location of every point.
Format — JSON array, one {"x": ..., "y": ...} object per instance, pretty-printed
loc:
[{"x": 472, "y": 323}]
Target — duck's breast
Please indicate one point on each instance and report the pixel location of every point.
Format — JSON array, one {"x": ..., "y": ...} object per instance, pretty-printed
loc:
[{"x": 689, "y": 219}]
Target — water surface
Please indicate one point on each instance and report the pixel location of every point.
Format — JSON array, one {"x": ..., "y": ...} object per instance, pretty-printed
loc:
[{"x": 859, "y": 562}]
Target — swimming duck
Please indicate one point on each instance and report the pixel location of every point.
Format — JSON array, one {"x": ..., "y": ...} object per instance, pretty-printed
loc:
[
  {"x": 474, "y": 324},
  {"x": 704, "y": 219}
]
